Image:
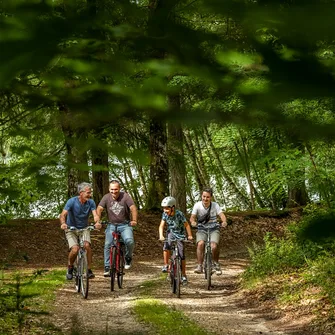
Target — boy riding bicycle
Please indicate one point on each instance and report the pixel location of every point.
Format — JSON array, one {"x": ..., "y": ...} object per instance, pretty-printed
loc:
[
  {"x": 176, "y": 225},
  {"x": 204, "y": 215}
]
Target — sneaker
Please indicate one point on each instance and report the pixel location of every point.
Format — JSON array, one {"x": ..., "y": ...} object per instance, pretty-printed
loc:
[
  {"x": 128, "y": 263},
  {"x": 198, "y": 269},
  {"x": 184, "y": 280},
  {"x": 217, "y": 268},
  {"x": 107, "y": 271},
  {"x": 69, "y": 272},
  {"x": 165, "y": 268},
  {"x": 91, "y": 275}
]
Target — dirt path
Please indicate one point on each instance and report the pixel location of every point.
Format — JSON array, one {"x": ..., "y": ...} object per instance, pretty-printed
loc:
[
  {"x": 223, "y": 310},
  {"x": 220, "y": 311}
]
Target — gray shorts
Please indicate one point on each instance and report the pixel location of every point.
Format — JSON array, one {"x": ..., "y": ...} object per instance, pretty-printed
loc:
[
  {"x": 72, "y": 237},
  {"x": 215, "y": 236}
]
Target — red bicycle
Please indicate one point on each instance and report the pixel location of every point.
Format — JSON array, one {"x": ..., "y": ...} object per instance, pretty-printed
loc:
[{"x": 116, "y": 258}]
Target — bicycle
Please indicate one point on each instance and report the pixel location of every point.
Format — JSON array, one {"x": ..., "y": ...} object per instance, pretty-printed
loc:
[
  {"x": 175, "y": 271},
  {"x": 208, "y": 266},
  {"x": 80, "y": 267},
  {"x": 116, "y": 258},
  {"x": 207, "y": 262}
]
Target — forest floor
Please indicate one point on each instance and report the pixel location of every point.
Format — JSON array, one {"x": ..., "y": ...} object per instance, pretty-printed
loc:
[{"x": 226, "y": 309}]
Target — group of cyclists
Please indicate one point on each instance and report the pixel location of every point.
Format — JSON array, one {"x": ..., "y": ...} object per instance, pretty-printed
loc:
[{"x": 122, "y": 211}]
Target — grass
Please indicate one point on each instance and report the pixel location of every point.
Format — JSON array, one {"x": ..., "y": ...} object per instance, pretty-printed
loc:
[
  {"x": 164, "y": 319},
  {"x": 25, "y": 296}
]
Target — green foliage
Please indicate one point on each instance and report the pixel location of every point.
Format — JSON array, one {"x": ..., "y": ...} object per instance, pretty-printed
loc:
[
  {"x": 24, "y": 295},
  {"x": 308, "y": 244},
  {"x": 275, "y": 256}
]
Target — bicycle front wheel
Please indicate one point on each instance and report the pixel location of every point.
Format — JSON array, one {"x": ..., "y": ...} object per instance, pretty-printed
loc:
[
  {"x": 208, "y": 269},
  {"x": 120, "y": 269},
  {"x": 84, "y": 275},
  {"x": 76, "y": 271},
  {"x": 113, "y": 267},
  {"x": 172, "y": 275},
  {"x": 178, "y": 276}
]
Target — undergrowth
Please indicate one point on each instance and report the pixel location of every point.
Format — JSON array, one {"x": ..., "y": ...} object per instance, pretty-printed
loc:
[{"x": 307, "y": 248}]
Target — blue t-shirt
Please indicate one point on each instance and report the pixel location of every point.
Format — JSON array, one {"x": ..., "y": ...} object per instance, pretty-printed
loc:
[
  {"x": 175, "y": 224},
  {"x": 78, "y": 213}
]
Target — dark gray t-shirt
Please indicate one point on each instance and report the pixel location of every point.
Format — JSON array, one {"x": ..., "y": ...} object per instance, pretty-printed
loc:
[{"x": 118, "y": 210}]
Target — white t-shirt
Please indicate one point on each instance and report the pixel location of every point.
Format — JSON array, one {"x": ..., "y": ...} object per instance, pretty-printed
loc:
[{"x": 199, "y": 210}]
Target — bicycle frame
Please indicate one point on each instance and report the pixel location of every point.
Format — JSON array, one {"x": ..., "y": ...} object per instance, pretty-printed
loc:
[
  {"x": 81, "y": 266},
  {"x": 208, "y": 260},
  {"x": 175, "y": 268},
  {"x": 116, "y": 258}
]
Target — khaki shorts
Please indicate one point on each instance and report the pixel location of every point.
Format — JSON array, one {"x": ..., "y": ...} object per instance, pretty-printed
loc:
[
  {"x": 72, "y": 237},
  {"x": 215, "y": 236}
]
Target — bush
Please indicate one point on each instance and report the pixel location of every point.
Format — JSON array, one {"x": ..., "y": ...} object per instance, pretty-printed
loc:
[{"x": 305, "y": 241}]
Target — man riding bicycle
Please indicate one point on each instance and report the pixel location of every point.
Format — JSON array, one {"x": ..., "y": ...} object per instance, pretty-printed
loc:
[
  {"x": 121, "y": 211},
  {"x": 75, "y": 214},
  {"x": 204, "y": 215}
]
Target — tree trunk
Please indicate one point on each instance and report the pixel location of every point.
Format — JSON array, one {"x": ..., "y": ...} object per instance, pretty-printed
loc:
[
  {"x": 192, "y": 154},
  {"x": 100, "y": 173},
  {"x": 159, "y": 172},
  {"x": 75, "y": 139},
  {"x": 176, "y": 157}
]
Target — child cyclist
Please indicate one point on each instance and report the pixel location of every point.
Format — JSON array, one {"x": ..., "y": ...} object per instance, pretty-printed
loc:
[{"x": 176, "y": 226}]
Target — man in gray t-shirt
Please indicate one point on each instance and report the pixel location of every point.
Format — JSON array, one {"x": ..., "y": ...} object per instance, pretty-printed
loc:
[
  {"x": 121, "y": 211},
  {"x": 204, "y": 215}
]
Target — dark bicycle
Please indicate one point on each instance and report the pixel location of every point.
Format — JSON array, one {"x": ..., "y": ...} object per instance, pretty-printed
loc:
[
  {"x": 208, "y": 266},
  {"x": 116, "y": 258},
  {"x": 208, "y": 262},
  {"x": 80, "y": 268},
  {"x": 175, "y": 270}
]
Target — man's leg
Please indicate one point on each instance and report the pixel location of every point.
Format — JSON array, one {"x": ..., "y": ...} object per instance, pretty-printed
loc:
[
  {"x": 72, "y": 241},
  {"x": 108, "y": 243},
  {"x": 128, "y": 238},
  {"x": 73, "y": 254},
  {"x": 215, "y": 238},
  {"x": 200, "y": 251}
]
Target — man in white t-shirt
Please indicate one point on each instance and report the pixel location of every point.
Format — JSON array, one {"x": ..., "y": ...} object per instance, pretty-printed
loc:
[{"x": 204, "y": 215}]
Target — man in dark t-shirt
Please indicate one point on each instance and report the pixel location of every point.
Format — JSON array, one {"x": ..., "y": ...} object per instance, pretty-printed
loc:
[{"x": 121, "y": 211}]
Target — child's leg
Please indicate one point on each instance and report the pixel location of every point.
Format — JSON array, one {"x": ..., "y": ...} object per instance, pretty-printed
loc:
[
  {"x": 183, "y": 267},
  {"x": 166, "y": 257}
]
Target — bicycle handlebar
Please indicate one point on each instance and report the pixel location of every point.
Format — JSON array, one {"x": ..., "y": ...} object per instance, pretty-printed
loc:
[
  {"x": 176, "y": 240},
  {"x": 107, "y": 222},
  {"x": 72, "y": 228}
]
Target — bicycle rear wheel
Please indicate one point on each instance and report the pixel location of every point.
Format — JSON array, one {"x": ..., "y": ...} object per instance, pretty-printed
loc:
[
  {"x": 178, "y": 276},
  {"x": 113, "y": 267},
  {"x": 84, "y": 275},
  {"x": 208, "y": 268},
  {"x": 76, "y": 271},
  {"x": 121, "y": 267}
]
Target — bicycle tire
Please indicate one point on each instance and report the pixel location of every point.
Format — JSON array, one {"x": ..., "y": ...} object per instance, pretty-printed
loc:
[
  {"x": 120, "y": 269},
  {"x": 113, "y": 267},
  {"x": 178, "y": 275},
  {"x": 84, "y": 275},
  {"x": 76, "y": 270},
  {"x": 208, "y": 269},
  {"x": 172, "y": 276}
]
